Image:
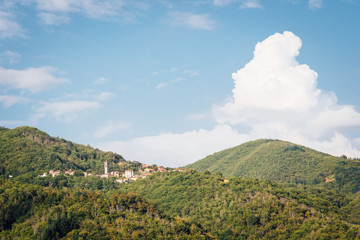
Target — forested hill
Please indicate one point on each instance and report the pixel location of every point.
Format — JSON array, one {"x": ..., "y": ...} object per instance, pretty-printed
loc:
[
  {"x": 27, "y": 152},
  {"x": 284, "y": 162},
  {"x": 238, "y": 208}
]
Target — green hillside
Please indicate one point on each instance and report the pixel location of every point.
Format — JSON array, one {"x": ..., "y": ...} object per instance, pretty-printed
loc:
[
  {"x": 26, "y": 152},
  {"x": 284, "y": 162},
  {"x": 169, "y": 205},
  {"x": 250, "y": 209},
  {"x": 34, "y": 212}
]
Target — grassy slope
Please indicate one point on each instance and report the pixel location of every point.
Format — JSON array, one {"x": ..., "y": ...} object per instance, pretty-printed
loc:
[{"x": 285, "y": 162}]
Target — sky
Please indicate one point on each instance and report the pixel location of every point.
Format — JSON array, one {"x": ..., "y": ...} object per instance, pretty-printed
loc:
[{"x": 170, "y": 82}]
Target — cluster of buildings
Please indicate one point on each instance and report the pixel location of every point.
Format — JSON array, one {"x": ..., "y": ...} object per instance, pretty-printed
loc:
[
  {"x": 128, "y": 175},
  {"x": 121, "y": 177},
  {"x": 54, "y": 173}
]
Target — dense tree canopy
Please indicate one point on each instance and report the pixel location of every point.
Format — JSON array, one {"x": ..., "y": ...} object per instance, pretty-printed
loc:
[{"x": 284, "y": 162}]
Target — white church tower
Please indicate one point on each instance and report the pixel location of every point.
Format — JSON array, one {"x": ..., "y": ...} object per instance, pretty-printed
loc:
[{"x": 106, "y": 167}]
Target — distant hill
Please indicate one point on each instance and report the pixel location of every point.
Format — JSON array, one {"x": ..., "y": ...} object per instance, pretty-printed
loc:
[
  {"x": 284, "y": 162},
  {"x": 27, "y": 152}
]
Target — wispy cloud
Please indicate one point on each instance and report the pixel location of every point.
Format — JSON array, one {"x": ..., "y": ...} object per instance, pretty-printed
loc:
[
  {"x": 75, "y": 106},
  {"x": 53, "y": 19},
  {"x": 10, "y": 57},
  {"x": 104, "y": 96},
  {"x": 250, "y": 4},
  {"x": 197, "y": 116},
  {"x": 192, "y": 73},
  {"x": 100, "y": 80},
  {"x": 56, "y": 12},
  {"x": 315, "y": 4},
  {"x": 34, "y": 80},
  {"x": 191, "y": 20},
  {"x": 64, "y": 111},
  {"x": 111, "y": 128},
  {"x": 9, "y": 28},
  {"x": 244, "y": 4},
  {"x": 222, "y": 2},
  {"x": 94, "y": 8},
  {"x": 9, "y": 100},
  {"x": 165, "y": 84}
]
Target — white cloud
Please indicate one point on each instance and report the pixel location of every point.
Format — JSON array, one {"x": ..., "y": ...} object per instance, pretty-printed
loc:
[
  {"x": 53, "y": 19},
  {"x": 33, "y": 80},
  {"x": 274, "y": 97},
  {"x": 277, "y": 97},
  {"x": 250, "y": 4},
  {"x": 64, "y": 111},
  {"x": 191, "y": 20},
  {"x": 170, "y": 149},
  {"x": 8, "y": 27},
  {"x": 9, "y": 100},
  {"x": 315, "y": 4},
  {"x": 111, "y": 128}
]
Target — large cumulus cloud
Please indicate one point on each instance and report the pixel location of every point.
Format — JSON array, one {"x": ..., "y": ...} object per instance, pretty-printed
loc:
[{"x": 274, "y": 96}]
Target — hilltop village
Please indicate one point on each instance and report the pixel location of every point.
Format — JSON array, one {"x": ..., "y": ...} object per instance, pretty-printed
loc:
[{"x": 143, "y": 171}]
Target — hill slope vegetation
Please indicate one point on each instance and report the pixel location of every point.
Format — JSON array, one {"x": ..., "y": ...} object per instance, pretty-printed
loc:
[
  {"x": 241, "y": 208},
  {"x": 26, "y": 152},
  {"x": 284, "y": 162}
]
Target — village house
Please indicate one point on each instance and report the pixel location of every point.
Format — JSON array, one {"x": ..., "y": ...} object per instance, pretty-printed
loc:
[
  {"x": 145, "y": 165},
  {"x": 144, "y": 175},
  {"x": 128, "y": 173},
  {"x": 161, "y": 169},
  {"x": 179, "y": 170},
  {"x": 134, "y": 177},
  {"x": 149, "y": 170},
  {"x": 70, "y": 172},
  {"x": 54, "y": 173},
  {"x": 122, "y": 180},
  {"x": 115, "y": 174}
]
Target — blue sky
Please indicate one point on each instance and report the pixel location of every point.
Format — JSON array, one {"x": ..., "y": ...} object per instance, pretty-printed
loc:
[{"x": 170, "y": 82}]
